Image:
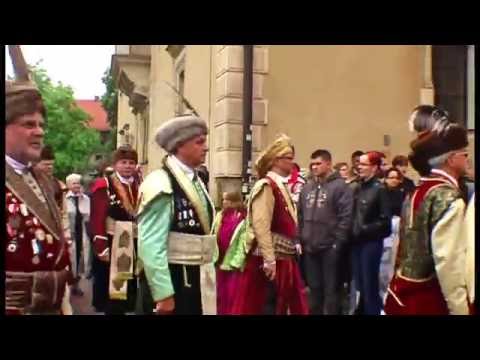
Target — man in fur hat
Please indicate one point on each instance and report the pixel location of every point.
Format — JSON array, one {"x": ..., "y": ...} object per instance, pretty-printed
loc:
[
  {"x": 113, "y": 229},
  {"x": 271, "y": 282},
  {"x": 47, "y": 165},
  {"x": 430, "y": 267},
  {"x": 37, "y": 264},
  {"x": 175, "y": 217}
]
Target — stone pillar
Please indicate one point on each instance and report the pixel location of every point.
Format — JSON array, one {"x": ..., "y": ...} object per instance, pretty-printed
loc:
[
  {"x": 427, "y": 92},
  {"x": 228, "y": 116}
]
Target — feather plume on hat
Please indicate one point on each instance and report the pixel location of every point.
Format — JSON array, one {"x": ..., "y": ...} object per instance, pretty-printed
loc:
[{"x": 280, "y": 147}]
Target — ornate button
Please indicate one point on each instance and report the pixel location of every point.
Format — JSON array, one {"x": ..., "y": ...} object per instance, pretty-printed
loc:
[
  {"x": 23, "y": 209},
  {"x": 12, "y": 247}
]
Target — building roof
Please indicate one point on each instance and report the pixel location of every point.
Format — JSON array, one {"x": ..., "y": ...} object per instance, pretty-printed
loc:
[{"x": 98, "y": 115}]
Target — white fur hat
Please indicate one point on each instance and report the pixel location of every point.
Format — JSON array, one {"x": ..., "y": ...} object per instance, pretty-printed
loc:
[{"x": 178, "y": 130}]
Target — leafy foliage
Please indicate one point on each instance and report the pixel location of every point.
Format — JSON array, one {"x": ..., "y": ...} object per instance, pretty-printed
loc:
[{"x": 66, "y": 127}]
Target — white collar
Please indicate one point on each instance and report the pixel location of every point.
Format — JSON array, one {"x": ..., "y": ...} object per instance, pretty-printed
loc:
[
  {"x": 444, "y": 174},
  {"x": 71, "y": 194},
  {"x": 185, "y": 168},
  {"x": 274, "y": 176},
  {"x": 17, "y": 166},
  {"x": 123, "y": 180}
]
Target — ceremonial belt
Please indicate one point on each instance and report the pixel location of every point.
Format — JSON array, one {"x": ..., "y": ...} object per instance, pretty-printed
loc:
[
  {"x": 188, "y": 249},
  {"x": 284, "y": 247},
  {"x": 39, "y": 292}
]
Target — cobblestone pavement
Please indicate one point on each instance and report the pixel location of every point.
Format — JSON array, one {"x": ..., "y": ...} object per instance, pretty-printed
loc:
[{"x": 82, "y": 305}]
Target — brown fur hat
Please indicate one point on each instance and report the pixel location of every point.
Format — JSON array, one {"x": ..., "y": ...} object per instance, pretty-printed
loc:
[{"x": 430, "y": 144}]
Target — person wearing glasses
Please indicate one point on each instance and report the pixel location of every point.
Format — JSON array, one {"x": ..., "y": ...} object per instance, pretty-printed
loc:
[
  {"x": 396, "y": 197},
  {"x": 271, "y": 282},
  {"x": 429, "y": 274},
  {"x": 370, "y": 225}
]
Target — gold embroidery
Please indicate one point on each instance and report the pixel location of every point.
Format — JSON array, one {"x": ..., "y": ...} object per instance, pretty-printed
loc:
[{"x": 124, "y": 198}]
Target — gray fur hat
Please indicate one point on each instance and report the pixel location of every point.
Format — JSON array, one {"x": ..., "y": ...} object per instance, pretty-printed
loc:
[{"x": 178, "y": 130}]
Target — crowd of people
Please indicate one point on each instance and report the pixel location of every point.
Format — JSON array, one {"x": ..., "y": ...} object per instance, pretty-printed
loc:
[{"x": 358, "y": 238}]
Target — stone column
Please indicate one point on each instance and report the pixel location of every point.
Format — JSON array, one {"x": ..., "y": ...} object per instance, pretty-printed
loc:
[
  {"x": 228, "y": 115},
  {"x": 427, "y": 92}
]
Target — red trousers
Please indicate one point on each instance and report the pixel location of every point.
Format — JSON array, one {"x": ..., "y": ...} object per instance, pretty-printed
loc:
[
  {"x": 415, "y": 298},
  {"x": 253, "y": 286}
]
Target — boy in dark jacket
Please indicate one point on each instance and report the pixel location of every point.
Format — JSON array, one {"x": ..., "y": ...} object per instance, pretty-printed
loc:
[{"x": 324, "y": 214}]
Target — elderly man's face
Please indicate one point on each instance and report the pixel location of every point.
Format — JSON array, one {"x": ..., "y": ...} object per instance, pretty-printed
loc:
[
  {"x": 75, "y": 186},
  {"x": 24, "y": 138},
  {"x": 194, "y": 151},
  {"x": 458, "y": 160}
]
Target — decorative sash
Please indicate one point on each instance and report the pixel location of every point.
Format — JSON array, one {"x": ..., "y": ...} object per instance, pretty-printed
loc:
[{"x": 121, "y": 261}]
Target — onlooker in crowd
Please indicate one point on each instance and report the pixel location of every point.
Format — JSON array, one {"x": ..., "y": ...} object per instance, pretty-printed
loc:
[
  {"x": 295, "y": 183},
  {"x": 47, "y": 165},
  {"x": 353, "y": 294},
  {"x": 324, "y": 213},
  {"x": 396, "y": 196},
  {"x": 401, "y": 163},
  {"x": 78, "y": 212},
  {"x": 384, "y": 166},
  {"x": 229, "y": 225},
  {"x": 355, "y": 161},
  {"x": 342, "y": 169},
  {"x": 371, "y": 224}
]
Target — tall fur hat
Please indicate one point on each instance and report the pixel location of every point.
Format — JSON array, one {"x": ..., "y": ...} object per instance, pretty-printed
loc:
[
  {"x": 430, "y": 144},
  {"x": 22, "y": 98},
  {"x": 176, "y": 131},
  {"x": 125, "y": 153},
  {"x": 280, "y": 147}
]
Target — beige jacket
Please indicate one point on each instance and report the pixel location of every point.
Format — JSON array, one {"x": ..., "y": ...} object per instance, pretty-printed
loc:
[
  {"x": 468, "y": 233},
  {"x": 449, "y": 253}
]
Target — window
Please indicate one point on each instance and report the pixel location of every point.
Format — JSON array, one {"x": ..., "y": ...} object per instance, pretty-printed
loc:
[
  {"x": 179, "y": 78},
  {"x": 450, "y": 80},
  {"x": 471, "y": 88},
  {"x": 181, "y": 90}
]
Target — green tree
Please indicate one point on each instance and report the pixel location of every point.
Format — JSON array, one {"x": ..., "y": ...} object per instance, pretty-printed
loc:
[
  {"x": 110, "y": 104},
  {"x": 66, "y": 127}
]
